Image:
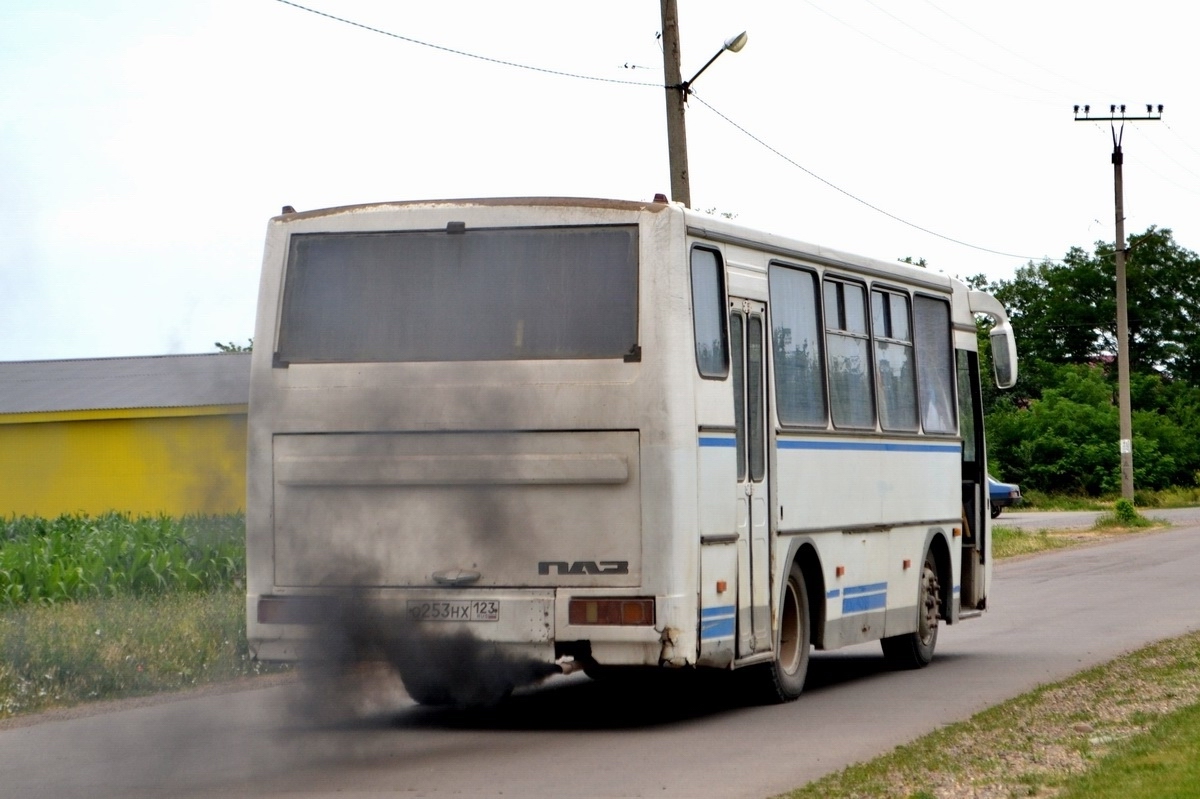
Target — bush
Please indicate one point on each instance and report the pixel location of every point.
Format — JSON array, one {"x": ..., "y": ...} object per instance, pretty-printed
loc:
[{"x": 1125, "y": 512}]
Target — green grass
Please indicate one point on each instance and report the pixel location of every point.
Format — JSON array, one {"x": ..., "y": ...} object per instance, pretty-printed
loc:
[
  {"x": 1124, "y": 518},
  {"x": 112, "y": 606},
  {"x": 1163, "y": 763},
  {"x": 74, "y": 557},
  {"x": 107, "y": 648},
  {"x": 1175, "y": 497},
  {"x": 1168, "y": 498},
  {"x": 1128, "y": 728},
  {"x": 1008, "y": 542},
  {"x": 1032, "y": 499}
]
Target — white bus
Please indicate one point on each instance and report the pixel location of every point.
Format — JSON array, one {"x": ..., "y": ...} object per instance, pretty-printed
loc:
[{"x": 622, "y": 433}]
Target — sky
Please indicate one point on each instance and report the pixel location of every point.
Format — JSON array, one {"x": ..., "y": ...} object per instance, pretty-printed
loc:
[{"x": 144, "y": 145}]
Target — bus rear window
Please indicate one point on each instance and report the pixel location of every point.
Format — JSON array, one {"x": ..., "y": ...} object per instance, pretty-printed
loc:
[{"x": 474, "y": 295}]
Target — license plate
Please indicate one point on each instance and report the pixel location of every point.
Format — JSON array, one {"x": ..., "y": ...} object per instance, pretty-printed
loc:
[{"x": 454, "y": 610}]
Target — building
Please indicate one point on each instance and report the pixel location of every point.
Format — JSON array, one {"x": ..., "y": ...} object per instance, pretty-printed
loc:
[{"x": 153, "y": 435}]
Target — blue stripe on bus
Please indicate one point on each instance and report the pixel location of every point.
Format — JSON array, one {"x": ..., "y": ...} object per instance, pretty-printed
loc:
[
  {"x": 861, "y": 598},
  {"x": 834, "y": 594},
  {"x": 717, "y": 622},
  {"x": 718, "y": 628},
  {"x": 707, "y": 441},
  {"x": 859, "y": 604},
  {"x": 866, "y": 446}
]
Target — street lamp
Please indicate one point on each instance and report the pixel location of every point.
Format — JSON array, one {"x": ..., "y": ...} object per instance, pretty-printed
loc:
[
  {"x": 677, "y": 92},
  {"x": 733, "y": 44}
]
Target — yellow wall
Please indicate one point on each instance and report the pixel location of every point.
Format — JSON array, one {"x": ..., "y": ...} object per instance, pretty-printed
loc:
[{"x": 173, "y": 461}]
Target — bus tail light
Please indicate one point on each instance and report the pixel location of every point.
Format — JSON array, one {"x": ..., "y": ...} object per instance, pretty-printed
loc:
[
  {"x": 295, "y": 609},
  {"x": 275, "y": 610},
  {"x": 635, "y": 611}
]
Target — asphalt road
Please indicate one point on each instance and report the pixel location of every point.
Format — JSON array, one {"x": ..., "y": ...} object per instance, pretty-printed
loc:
[
  {"x": 1051, "y": 616},
  {"x": 1057, "y": 520}
]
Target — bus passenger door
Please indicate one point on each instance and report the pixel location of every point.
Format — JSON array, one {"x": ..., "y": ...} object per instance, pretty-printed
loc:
[
  {"x": 747, "y": 338},
  {"x": 976, "y": 547}
]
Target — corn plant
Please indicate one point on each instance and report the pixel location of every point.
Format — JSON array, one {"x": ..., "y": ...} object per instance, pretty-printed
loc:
[{"x": 44, "y": 561}]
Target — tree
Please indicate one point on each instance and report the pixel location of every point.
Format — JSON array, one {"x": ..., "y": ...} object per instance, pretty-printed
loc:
[
  {"x": 1065, "y": 312},
  {"x": 1066, "y": 439},
  {"x": 232, "y": 347},
  {"x": 1057, "y": 430}
]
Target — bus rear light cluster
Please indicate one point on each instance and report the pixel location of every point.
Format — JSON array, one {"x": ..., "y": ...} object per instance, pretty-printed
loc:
[
  {"x": 629, "y": 612},
  {"x": 295, "y": 609}
]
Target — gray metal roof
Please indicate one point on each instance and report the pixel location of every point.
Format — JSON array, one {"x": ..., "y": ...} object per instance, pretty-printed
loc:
[{"x": 159, "y": 381}]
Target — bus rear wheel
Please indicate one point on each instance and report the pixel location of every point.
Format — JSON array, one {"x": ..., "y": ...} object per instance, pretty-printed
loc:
[
  {"x": 782, "y": 680},
  {"x": 915, "y": 650}
]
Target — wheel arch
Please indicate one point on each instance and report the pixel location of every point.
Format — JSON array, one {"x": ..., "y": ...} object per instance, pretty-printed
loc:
[
  {"x": 804, "y": 552},
  {"x": 940, "y": 548}
]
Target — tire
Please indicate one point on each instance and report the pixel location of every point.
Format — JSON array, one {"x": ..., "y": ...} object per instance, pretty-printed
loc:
[
  {"x": 430, "y": 695},
  {"x": 995, "y": 511},
  {"x": 471, "y": 697},
  {"x": 782, "y": 680},
  {"x": 623, "y": 675},
  {"x": 915, "y": 650}
]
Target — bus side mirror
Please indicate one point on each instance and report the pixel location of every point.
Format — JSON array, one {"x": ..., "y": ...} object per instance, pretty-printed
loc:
[{"x": 1004, "y": 355}]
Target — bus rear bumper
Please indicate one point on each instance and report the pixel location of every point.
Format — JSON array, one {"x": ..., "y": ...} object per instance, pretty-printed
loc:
[
  {"x": 284, "y": 626},
  {"x": 289, "y": 627}
]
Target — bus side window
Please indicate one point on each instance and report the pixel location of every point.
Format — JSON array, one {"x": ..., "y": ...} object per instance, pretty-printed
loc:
[
  {"x": 894, "y": 361},
  {"x": 708, "y": 314},
  {"x": 796, "y": 339},
  {"x": 850, "y": 394},
  {"x": 935, "y": 370}
]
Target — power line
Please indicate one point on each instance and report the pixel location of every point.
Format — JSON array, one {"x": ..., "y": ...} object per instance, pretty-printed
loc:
[
  {"x": 918, "y": 61},
  {"x": 488, "y": 59},
  {"x": 1011, "y": 52},
  {"x": 739, "y": 127},
  {"x": 860, "y": 200},
  {"x": 950, "y": 49},
  {"x": 1145, "y": 165},
  {"x": 1064, "y": 78},
  {"x": 1185, "y": 142}
]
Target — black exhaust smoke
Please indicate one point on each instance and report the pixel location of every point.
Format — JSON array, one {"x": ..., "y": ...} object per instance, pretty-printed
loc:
[{"x": 437, "y": 668}]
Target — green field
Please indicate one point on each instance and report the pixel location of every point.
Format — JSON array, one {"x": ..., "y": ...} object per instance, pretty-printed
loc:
[
  {"x": 106, "y": 607},
  {"x": 73, "y": 557}
]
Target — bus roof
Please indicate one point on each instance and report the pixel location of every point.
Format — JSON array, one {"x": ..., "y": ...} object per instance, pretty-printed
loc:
[{"x": 698, "y": 224}]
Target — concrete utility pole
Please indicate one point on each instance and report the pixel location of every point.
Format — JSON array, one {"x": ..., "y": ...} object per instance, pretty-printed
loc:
[
  {"x": 681, "y": 190},
  {"x": 1123, "y": 401},
  {"x": 677, "y": 92}
]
